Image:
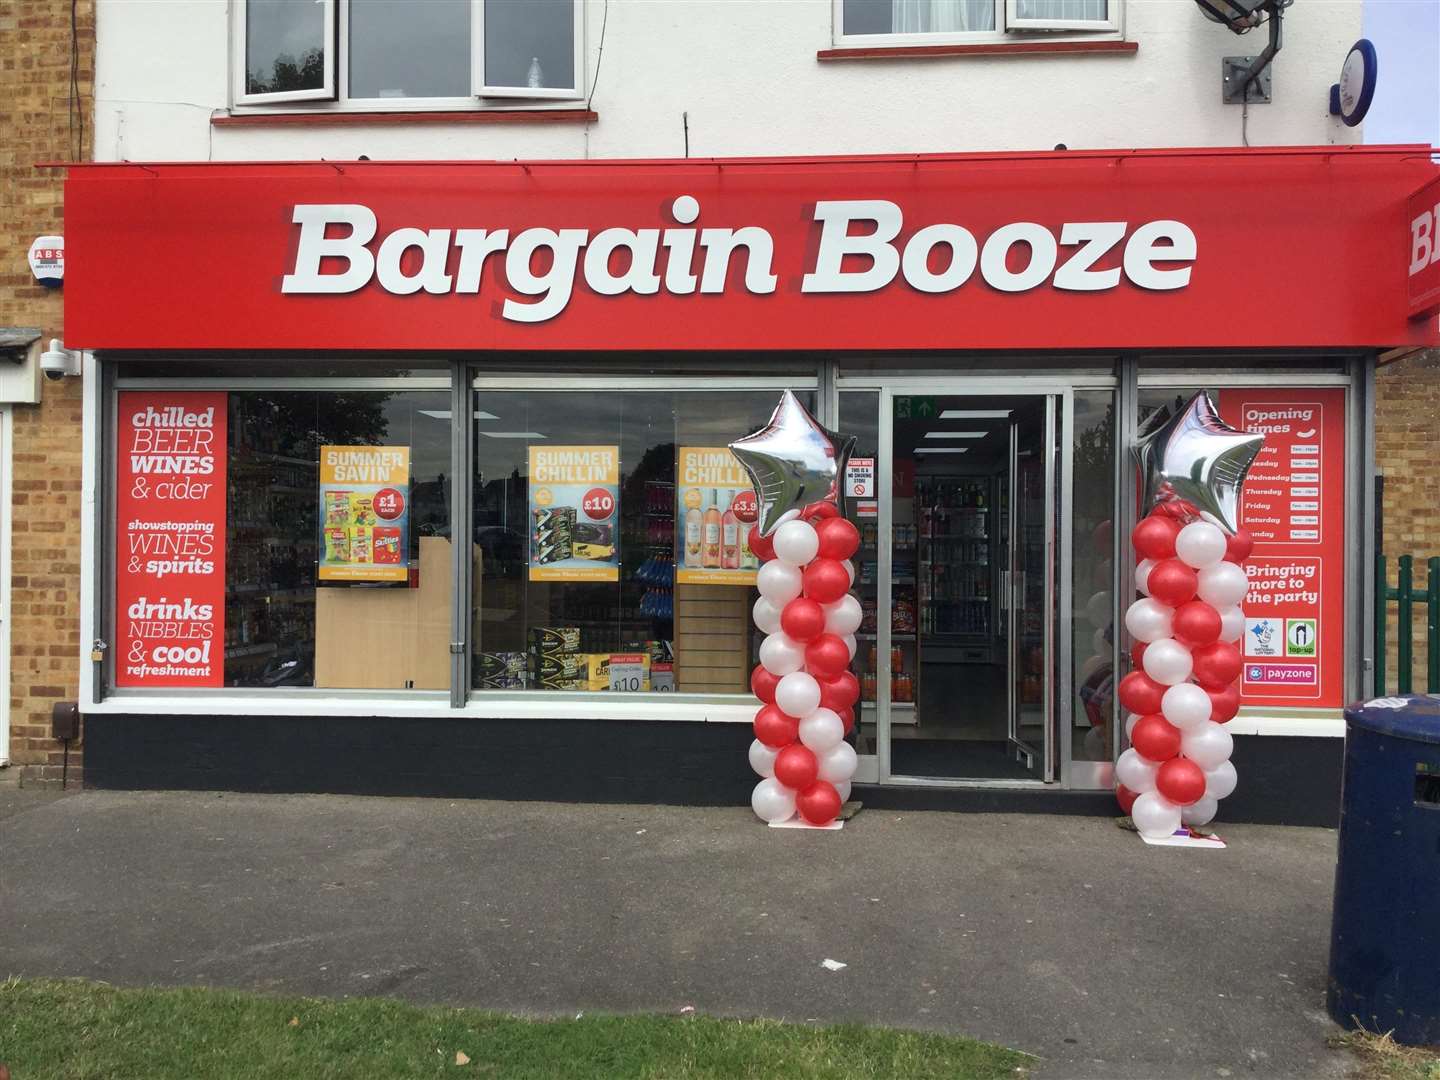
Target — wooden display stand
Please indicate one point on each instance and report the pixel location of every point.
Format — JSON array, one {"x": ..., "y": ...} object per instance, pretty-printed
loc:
[
  {"x": 712, "y": 635},
  {"x": 387, "y": 638}
]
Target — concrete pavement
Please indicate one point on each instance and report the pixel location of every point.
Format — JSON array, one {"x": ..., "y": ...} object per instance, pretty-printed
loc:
[{"x": 1064, "y": 937}]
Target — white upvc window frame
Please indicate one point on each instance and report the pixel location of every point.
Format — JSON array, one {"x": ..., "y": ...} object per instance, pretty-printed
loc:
[
  {"x": 327, "y": 92},
  {"x": 336, "y": 97},
  {"x": 1009, "y": 27}
]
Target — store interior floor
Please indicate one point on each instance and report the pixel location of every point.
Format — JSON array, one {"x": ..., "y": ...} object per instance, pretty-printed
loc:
[{"x": 962, "y": 730}]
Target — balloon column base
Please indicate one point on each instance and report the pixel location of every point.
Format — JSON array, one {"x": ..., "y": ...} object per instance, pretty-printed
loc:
[
  {"x": 1189, "y": 838},
  {"x": 797, "y": 822}
]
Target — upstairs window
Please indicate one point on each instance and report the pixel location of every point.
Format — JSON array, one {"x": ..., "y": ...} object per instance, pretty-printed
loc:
[
  {"x": 943, "y": 22},
  {"x": 404, "y": 53}
]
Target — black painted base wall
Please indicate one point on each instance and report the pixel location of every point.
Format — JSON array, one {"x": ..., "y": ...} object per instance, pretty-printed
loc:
[{"x": 1293, "y": 781}]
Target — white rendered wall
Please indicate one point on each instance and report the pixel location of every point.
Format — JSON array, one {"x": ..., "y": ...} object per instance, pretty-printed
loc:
[{"x": 746, "y": 72}]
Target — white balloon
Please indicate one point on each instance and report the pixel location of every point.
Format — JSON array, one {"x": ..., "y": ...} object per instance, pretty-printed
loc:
[
  {"x": 797, "y": 694},
  {"x": 778, "y": 582},
  {"x": 851, "y": 644},
  {"x": 1232, "y": 623},
  {"x": 1186, "y": 706},
  {"x": 1221, "y": 780},
  {"x": 843, "y": 616},
  {"x": 838, "y": 763},
  {"x": 1135, "y": 772},
  {"x": 796, "y": 543},
  {"x": 1200, "y": 812},
  {"x": 1154, "y": 815},
  {"x": 1167, "y": 662},
  {"x": 1142, "y": 576},
  {"x": 1097, "y": 609},
  {"x": 843, "y": 787},
  {"x": 1131, "y": 719},
  {"x": 821, "y": 730},
  {"x": 1223, "y": 585},
  {"x": 781, "y": 654},
  {"x": 772, "y": 800},
  {"x": 1149, "y": 620},
  {"x": 849, "y": 569},
  {"x": 1200, "y": 544},
  {"x": 1209, "y": 746},
  {"x": 766, "y": 615},
  {"x": 762, "y": 758}
]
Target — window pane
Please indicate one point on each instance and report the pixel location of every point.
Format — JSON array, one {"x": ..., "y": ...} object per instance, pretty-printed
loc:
[
  {"x": 320, "y": 590},
  {"x": 1092, "y": 630},
  {"x": 920, "y": 16},
  {"x": 401, "y": 49},
  {"x": 554, "y": 607},
  {"x": 1062, "y": 10},
  {"x": 284, "y": 46},
  {"x": 530, "y": 43}
]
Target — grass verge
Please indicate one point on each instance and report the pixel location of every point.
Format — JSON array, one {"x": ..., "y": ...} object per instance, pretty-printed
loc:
[
  {"x": 1382, "y": 1058},
  {"x": 76, "y": 1030}
]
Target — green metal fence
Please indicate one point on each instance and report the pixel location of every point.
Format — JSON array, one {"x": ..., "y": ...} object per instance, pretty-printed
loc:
[{"x": 1405, "y": 596}]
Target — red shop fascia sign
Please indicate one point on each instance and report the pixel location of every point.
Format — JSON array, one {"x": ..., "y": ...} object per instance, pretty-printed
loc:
[{"x": 1277, "y": 248}]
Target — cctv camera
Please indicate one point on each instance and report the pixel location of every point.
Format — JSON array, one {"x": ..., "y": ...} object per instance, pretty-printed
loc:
[{"x": 57, "y": 361}]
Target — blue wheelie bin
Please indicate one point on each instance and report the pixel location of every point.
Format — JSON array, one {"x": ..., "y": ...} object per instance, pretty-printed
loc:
[{"x": 1385, "y": 937}]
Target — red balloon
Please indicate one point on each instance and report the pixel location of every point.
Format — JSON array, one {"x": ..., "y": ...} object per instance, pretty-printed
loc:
[
  {"x": 1239, "y": 546},
  {"x": 1102, "y": 538},
  {"x": 1172, "y": 582},
  {"x": 1154, "y": 537},
  {"x": 1155, "y": 738},
  {"x": 1137, "y": 655},
  {"x": 1140, "y": 694},
  {"x": 1196, "y": 623},
  {"x": 1180, "y": 780},
  {"x": 825, "y": 580},
  {"x": 819, "y": 804},
  {"x": 795, "y": 766},
  {"x": 762, "y": 547},
  {"x": 763, "y": 683},
  {"x": 840, "y": 692},
  {"x": 827, "y": 656},
  {"x": 847, "y": 717},
  {"x": 1216, "y": 665},
  {"x": 839, "y": 539},
  {"x": 774, "y": 728},
  {"x": 1224, "y": 703},
  {"x": 1125, "y": 797},
  {"x": 819, "y": 510},
  {"x": 804, "y": 620}
]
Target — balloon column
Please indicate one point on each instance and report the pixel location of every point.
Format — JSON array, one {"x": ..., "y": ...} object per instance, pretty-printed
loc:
[
  {"x": 1187, "y": 623},
  {"x": 807, "y": 692}
]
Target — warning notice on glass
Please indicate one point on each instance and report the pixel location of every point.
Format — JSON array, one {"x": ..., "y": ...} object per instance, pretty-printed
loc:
[
  {"x": 1293, "y": 505},
  {"x": 170, "y": 539}
]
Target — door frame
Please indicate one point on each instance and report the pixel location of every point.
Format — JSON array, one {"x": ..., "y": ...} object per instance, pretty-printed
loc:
[{"x": 878, "y": 768}]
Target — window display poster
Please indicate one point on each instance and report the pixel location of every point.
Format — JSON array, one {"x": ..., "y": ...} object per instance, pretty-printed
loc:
[
  {"x": 574, "y": 513},
  {"x": 364, "y": 513},
  {"x": 1293, "y": 504},
  {"x": 170, "y": 539},
  {"x": 715, "y": 507}
]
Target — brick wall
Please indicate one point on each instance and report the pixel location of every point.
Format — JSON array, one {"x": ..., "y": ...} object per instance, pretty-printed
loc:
[
  {"x": 1407, "y": 453},
  {"x": 38, "y": 123}
]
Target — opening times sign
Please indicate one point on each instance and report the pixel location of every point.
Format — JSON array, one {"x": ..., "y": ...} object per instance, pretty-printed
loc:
[
  {"x": 170, "y": 539},
  {"x": 1293, "y": 505}
]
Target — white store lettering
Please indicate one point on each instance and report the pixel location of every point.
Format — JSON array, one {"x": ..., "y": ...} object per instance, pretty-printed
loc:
[{"x": 857, "y": 252}]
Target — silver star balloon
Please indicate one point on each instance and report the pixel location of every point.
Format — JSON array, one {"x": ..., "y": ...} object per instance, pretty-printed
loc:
[
  {"x": 793, "y": 461},
  {"x": 1195, "y": 456}
]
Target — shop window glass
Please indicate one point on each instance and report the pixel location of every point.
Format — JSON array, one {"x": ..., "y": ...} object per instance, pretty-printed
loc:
[
  {"x": 325, "y": 586},
  {"x": 609, "y": 546},
  {"x": 1092, "y": 543}
]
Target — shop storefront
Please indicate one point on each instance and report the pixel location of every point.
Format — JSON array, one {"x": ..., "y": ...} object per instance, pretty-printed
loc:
[{"x": 412, "y": 477}]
